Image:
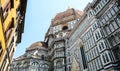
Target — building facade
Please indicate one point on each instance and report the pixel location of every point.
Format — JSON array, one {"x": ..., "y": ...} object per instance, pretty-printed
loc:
[
  {"x": 98, "y": 30},
  {"x": 100, "y": 49},
  {"x": 85, "y": 41},
  {"x": 12, "y": 14},
  {"x": 34, "y": 59},
  {"x": 51, "y": 54},
  {"x": 57, "y": 37}
]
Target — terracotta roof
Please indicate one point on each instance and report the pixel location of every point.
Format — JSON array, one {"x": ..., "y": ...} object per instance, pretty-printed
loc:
[
  {"x": 67, "y": 13},
  {"x": 41, "y": 44}
]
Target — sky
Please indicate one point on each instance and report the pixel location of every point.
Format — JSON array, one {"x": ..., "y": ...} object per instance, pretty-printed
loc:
[{"x": 38, "y": 18}]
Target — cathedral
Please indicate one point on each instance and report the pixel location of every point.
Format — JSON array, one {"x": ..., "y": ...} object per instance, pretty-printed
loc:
[
  {"x": 34, "y": 59},
  {"x": 77, "y": 41},
  {"x": 49, "y": 55}
]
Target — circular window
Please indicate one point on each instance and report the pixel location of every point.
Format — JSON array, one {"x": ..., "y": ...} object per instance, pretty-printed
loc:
[{"x": 65, "y": 28}]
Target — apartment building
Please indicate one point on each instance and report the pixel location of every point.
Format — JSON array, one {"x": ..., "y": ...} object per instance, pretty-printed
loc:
[{"x": 12, "y": 15}]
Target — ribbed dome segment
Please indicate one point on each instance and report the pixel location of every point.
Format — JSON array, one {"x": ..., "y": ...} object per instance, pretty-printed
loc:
[
  {"x": 40, "y": 44},
  {"x": 67, "y": 13}
]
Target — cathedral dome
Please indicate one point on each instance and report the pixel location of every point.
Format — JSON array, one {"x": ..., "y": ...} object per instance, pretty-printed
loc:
[
  {"x": 39, "y": 44},
  {"x": 67, "y": 13}
]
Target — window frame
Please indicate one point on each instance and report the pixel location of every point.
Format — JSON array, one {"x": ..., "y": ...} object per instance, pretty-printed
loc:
[{"x": 106, "y": 55}]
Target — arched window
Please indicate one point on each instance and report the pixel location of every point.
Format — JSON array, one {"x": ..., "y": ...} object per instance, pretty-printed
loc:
[
  {"x": 42, "y": 57},
  {"x": 35, "y": 66},
  {"x": 45, "y": 67},
  {"x": 69, "y": 68},
  {"x": 59, "y": 64}
]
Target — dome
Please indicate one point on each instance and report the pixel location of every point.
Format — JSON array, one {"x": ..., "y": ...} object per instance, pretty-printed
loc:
[
  {"x": 67, "y": 13},
  {"x": 40, "y": 44}
]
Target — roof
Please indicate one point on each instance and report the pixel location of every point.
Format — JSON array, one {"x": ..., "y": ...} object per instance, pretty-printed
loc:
[
  {"x": 40, "y": 44},
  {"x": 67, "y": 13}
]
